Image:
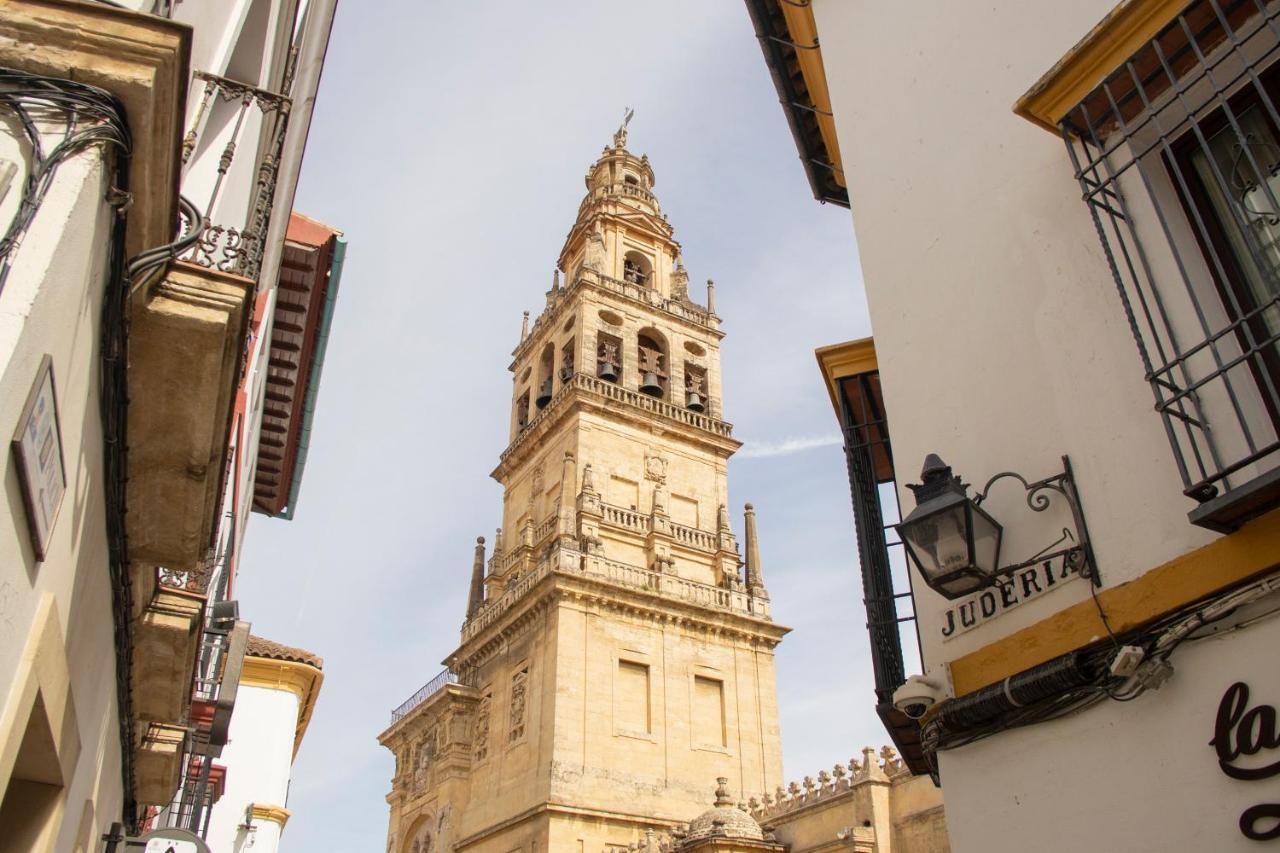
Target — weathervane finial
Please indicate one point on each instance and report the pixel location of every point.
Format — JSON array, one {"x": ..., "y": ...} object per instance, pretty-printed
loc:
[{"x": 620, "y": 138}]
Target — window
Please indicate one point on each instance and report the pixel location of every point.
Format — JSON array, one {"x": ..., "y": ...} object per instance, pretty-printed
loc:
[
  {"x": 1178, "y": 156},
  {"x": 1234, "y": 189},
  {"x": 632, "y": 713},
  {"x": 708, "y": 713}
]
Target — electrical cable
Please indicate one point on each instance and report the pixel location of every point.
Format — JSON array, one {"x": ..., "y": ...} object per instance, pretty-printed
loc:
[
  {"x": 1158, "y": 642},
  {"x": 91, "y": 117}
]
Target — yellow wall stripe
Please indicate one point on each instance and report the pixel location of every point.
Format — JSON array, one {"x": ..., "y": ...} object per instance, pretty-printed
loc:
[{"x": 1250, "y": 551}]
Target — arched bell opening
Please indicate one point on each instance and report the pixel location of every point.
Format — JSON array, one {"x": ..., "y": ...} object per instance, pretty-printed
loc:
[
  {"x": 637, "y": 269},
  {"x": 651, "y": 352},
  {"x": 546, "y": 363},
  {"x": 695, "y": 387},
  {"x": 522, "y": 411},
  {"x": 566, "y": 362},
  {"x": 608, "y": 357}
]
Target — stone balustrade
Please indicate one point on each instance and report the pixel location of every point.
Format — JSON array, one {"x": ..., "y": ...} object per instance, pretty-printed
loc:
[
  {"x": 557, "y": 299},
  {"x": 635, "y": 192},
  {"x": 828, "y": 785},
  {"x": 625, "y": 575},
  {"x": 582, "y": 383},
  {"x": 630, "y": 519},
  {"x": 694, "y": 537},
  {"x": 491, "y": 610},
  {"x": 653, "y": 405},
  {"x": 543, "y": 530},
  {"x": 649, "y": 296}
]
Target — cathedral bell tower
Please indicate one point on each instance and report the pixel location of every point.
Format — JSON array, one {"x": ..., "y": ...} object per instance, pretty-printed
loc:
[{"x": 617, "y": 652}]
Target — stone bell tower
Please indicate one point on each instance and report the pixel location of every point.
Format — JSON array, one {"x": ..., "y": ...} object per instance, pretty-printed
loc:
[{"x": 617, "y": 651}]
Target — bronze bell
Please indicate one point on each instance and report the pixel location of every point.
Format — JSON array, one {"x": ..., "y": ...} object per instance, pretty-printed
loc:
[
  {"x": 566, "y": 374},
  {"x": 693, "y": 402},
  {"x": 544, "y": 394},
  {"x": 608, "y": 371},
  {"x": 650, "y": 384}
]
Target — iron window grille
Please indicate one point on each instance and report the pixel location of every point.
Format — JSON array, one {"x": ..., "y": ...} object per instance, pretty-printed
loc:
[
  {"x": 1177, "y": 153},
  {"x": 886, "y": 580}
]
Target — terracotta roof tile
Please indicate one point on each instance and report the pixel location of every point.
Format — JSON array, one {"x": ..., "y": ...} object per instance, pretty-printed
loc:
[{"x": 263, "y": 648}]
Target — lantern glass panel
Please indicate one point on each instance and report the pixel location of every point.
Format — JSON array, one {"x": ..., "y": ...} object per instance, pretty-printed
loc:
[
  {"x": 986, "y": 541},
  {"x": 939, "y": 541}
]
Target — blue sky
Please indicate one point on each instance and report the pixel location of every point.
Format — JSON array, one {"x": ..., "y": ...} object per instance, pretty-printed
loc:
[{"x": 450, "y": 142}]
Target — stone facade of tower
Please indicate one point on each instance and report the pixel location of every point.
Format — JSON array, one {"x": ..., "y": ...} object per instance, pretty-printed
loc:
[{"x": 617, "y": 653}]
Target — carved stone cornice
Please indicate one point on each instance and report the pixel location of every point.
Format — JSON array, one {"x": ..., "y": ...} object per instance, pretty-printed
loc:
[
  {"x": 557, "y": 585},
  {"x": 141, "y": 59}
]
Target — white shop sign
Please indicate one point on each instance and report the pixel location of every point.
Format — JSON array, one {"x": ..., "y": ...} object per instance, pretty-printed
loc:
[{"x": 1023, "y": 585}]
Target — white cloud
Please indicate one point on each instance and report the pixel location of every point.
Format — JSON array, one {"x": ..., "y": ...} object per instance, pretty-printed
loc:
[{"x": 794, "y": 444}]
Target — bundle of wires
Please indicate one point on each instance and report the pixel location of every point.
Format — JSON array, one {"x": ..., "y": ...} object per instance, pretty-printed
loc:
[
  {"x": 1068, "y": 684},
  {"x": 88, "y": 115}
]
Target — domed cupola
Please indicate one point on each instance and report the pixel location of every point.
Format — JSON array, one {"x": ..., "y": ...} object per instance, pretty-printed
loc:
[
  {"x": 620, "y": 175},
  {"x": 724, "y": 820}
]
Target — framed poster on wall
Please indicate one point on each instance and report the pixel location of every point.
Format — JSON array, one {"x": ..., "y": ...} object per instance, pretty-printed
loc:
[{"x": 37, "y": 448}]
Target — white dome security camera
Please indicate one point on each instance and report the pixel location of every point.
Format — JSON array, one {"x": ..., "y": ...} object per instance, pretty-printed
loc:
[{"x": 916, "y": 696}]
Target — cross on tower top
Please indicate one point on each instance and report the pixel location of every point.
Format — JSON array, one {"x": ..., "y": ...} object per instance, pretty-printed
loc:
[{"x": 620, "y": 137}]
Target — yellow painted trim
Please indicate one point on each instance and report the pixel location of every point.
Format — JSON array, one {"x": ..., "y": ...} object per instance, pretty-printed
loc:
[
  {"x": 275, "y": 814},
  {"x": 1250, "y": 551},
  {"x": 804, "y": 30},
  {"x": 847, "y": 359},
  {"x": 301, "y": 679},
  {"x": 1128, "y": 26}
]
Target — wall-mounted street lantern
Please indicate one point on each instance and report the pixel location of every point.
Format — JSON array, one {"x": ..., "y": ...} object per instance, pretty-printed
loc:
[{"x": 955, "y": 544}]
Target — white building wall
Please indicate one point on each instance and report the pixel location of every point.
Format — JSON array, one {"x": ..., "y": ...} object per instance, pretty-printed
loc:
[
  {"x": 51, "y": 304},
  {"x": 258, "y": 758},
  {"x": 1002, "y": 345},
  {"x": 1001, "y": 340},
  {"x": 1137, "y": 777}
]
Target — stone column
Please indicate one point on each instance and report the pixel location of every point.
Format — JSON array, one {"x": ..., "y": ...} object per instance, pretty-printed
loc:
[
  {"x": 568, "y": 521},
  {"x": 476, "y": 600},
  {"x": 755, "y": 581}
]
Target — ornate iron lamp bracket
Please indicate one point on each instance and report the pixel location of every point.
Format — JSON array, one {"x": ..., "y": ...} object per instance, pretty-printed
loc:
[{"x": 1039, "y": 496}]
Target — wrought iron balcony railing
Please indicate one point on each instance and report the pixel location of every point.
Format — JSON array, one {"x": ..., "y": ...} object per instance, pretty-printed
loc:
[
  {"x": 235, "y": 248},
  {"x": 426, "y": 691},
  {"x": 1177, "y": 153}
]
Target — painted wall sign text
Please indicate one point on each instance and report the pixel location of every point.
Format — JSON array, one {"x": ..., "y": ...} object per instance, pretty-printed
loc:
[
  {"x": 1241, "y": 730},
  {"x": 1023, "y": 585}
]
